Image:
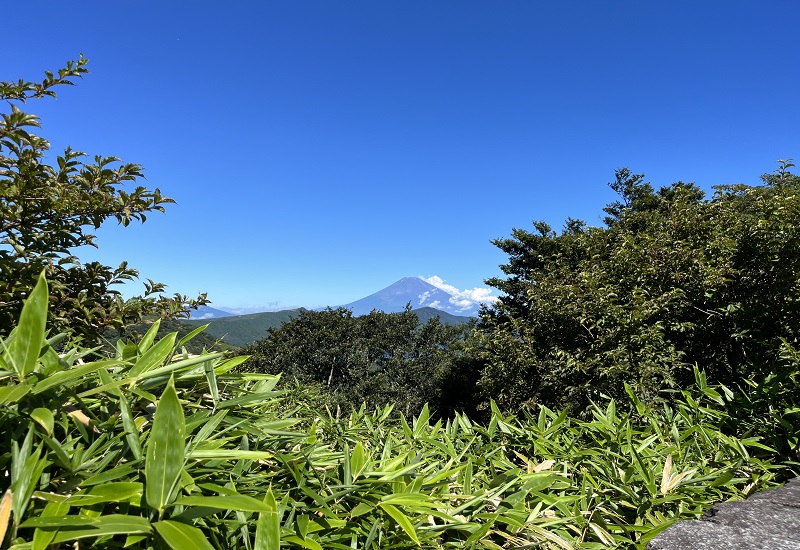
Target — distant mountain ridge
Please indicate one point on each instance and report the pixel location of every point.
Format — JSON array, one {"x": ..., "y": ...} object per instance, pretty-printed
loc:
[
  {"x": 243, "y": 330},
  {"x": 208, "y": 312},
  {"x": 426, "y": 301},
  {"x": 392, "y": 299}
]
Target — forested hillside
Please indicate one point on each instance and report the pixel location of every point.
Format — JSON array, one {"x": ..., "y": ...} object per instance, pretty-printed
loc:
[{"x": 243, "y": 330}]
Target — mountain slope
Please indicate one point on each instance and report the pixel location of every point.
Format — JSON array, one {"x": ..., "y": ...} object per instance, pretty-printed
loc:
[
  {"x": 412, "y": 290},
  {"x": 242, "y": 330},
  {"x": 207, "y": 312}
]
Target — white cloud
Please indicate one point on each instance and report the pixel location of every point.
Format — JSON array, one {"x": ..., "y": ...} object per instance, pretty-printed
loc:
[
  {"x": 423, "y": 297},
  {"x": 462, "y": 299}
]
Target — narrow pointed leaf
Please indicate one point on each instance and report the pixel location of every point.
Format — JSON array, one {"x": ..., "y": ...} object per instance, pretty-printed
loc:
[
  {"x": 155, "y": 356},
  {"x": 165, "y": 449},
  {"x": 180, "y": 536},
  {"x": 402, "y": 520},
  {"x": 192, "y": 334},
  {"x": 149, "y": 337},
  {"x": 114, "y": 524},
  {"x": 43, "y": 537},
  {"x": 268, "y": 527},
  {"x": 64, "y": 377},
  {"x": 44, "y": 417},
  {"x": 242, "y": 503},
  {"x": 5, "y": 514},
  {"x": 11, "y": 394},
  {"x": 29, "y": 334}
]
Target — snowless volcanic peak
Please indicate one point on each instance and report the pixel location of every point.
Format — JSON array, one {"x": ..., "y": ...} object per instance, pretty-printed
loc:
[{"x": 413, "y": 290}]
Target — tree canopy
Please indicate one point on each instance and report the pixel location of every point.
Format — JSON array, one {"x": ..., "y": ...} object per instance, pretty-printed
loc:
[
  {"x": 48, "y": 210},
  {"x": 378, "y": 358},
  {"x": 673, "y": 279}
]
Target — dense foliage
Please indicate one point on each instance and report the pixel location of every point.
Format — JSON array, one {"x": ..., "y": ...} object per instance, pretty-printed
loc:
[
  {"x": 46, "y": 212},
  {"x": 673, "y": 280},
  {"x": 379, "y": 358},
  {"x": 198, "y": 343},
  {"x": 153, "y": 449}
]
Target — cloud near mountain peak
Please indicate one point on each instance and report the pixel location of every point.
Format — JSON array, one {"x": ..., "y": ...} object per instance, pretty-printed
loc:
[{"x": 461, "y": 299}]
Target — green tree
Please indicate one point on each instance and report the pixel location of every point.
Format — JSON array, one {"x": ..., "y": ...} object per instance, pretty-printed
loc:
[
  {"x": 672, "y": 280},
  {"x": 376, "y": 359},
  {"x": 46, "y": 211}
]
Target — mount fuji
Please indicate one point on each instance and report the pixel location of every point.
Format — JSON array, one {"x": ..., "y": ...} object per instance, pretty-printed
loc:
[{"x": 419, "y": 293}]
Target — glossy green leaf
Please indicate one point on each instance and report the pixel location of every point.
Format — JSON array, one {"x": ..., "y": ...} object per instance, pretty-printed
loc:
[
  {"x": 156, "y": 355},
  {"x": 29, "y": 334},
  {"x": 120, "y": 491},
  {"x": 165, "y": 449},
  {"x": 11, "y": 394},
  {"x": 227, "y": 454},
  {"x": 358, "y": 459},
  {"x": 43, "y": 537},
  {"x": 44, "y": 417},
  {"x": 113, "y": 524},
  {"x": 131, "y": 432},
  {"x": 402, "y": 520},
  {"x": 268, "y": 526},
  {"x": 149, "y": 337},
  {"x": 303, "y": 542},
  {"x": 63, "y": 378},
  {"x": 180, "y": 536},
  {"x": 192, "y": 334},
  {"x": 242, "y": 503}
]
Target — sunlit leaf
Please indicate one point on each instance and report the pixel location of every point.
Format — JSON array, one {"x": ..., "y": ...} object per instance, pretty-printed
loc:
[
  {"x": 165, "y": 449},
  {"x": 29, "y": 334},
  {"x": 180, "y": 536}
]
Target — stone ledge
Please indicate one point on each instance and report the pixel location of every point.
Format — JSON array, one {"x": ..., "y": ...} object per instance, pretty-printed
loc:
[{"x": 769, "y": 519}]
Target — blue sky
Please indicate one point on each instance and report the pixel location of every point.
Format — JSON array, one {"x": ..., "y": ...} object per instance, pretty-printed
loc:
[{"x": 319, "y": 151}]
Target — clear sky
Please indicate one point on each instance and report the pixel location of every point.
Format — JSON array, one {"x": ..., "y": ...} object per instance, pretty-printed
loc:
[{"x": 320, "y": 150}]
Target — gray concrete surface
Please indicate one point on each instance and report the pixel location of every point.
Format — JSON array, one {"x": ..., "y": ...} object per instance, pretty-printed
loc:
[{"x": 767, "y": 520}]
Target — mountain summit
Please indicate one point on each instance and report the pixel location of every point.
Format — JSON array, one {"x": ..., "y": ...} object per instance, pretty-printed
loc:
[{"x": 419, "y": 293}]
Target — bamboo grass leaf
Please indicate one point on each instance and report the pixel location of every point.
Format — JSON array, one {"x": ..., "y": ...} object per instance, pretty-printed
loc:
[
  {"x": 12, "y": 394},
  {"x": 165, "y": 449},
  {"x": 192, "y": 334},
  {"x": 357, "y": 460},
  {"x": 120, "y": 491},
  {"x": 43, "y": 537},
  {"x": 177, "y": 366},
  {"x": 242, "y": 503},
  {"x": 80, "y": 527},
  {"x": 29, "y": 335},
  {"x": 268, "y": 526},
  {"x": 156, "y": 355},
  {"x": 180, "y": 536},
  {"x": 131, "y": 433},
  {"x": 26, "y": 470},
  {"x": 304, "y": 542},
  {"x": 211, "y": 377},
  {"x": 5, "y": 514},
  {"x": 402, "y": 520},
  {"x": 44, "y": 417},
  {"x": 227, "y": 454},
  {"x": 149, "y": 337},
  {"x": 64, "y": 377}
]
